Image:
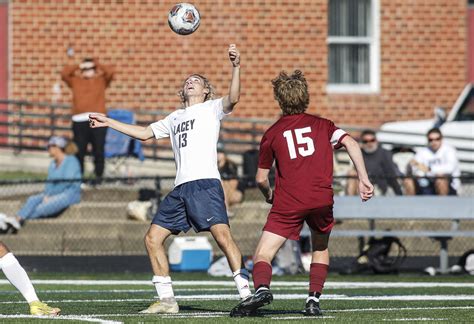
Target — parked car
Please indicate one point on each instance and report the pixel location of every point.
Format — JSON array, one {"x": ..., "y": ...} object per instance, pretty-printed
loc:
[{"x": 457, "y": 129}]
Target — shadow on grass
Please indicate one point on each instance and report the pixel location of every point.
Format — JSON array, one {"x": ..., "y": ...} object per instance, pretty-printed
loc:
[{"x": 273, "y": 312}]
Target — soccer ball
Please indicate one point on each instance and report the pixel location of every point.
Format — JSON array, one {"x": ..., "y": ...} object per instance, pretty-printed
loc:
[{"x": 184, "y": 18}]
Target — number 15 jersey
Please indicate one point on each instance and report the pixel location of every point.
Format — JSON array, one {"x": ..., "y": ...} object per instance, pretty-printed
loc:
[{"x": 302, "y": 147}]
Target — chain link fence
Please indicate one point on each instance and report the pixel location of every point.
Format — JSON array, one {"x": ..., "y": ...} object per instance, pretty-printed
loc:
[{"x": 104, "y": 224}]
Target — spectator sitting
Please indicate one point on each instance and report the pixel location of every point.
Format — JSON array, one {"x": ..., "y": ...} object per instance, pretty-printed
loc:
[
  {"x": 57, "y": 195},
  {"x": 233, "y": 188},
  {"x": 382, "y": 171},
  {"x": 434, "y": 169}
]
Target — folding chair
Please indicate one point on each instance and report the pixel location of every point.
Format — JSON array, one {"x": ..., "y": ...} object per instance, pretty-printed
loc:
[{"x": 119, "y": 147}]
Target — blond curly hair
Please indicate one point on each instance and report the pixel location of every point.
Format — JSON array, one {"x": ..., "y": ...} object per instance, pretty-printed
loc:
[
  {"x": 207, "y": 85},
  {"x": 291, "y": 92}
]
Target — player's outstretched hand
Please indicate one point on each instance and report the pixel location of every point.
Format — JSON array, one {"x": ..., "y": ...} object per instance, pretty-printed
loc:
[
  {"x": 234, "y": 55},
  {"x": 366, "y": 190},
  {"x": 98, "y": 120}
]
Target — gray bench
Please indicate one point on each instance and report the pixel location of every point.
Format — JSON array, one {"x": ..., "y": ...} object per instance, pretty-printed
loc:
[{"x": 407, "y": 208}]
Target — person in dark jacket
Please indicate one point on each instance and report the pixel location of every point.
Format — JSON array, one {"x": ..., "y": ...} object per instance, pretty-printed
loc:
[{"x": 383, "y": 172}]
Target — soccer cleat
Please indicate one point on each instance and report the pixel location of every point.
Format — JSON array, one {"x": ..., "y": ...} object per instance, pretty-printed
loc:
[
  {"x": 3, "y": 225},
  {"x": 312, "y": 307},
  {"x": 41, "y": 309},
  {"x": 13, "y": 222},
  {"x": 162, "y": 307},
  {"x": 237, "y": 311},
  {"x": 249, "y": 305}
]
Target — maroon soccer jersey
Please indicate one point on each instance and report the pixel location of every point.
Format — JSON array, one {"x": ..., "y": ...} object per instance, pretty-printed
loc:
[{"x": 302, "y": 146}]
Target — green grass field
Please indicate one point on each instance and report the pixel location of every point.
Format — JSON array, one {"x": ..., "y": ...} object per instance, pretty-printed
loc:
[{"x": 118, "y": 298}]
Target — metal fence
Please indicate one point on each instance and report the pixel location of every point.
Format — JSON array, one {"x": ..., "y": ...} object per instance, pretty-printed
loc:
[
  {"x": 101, "y": 223},
  {"x": 28, "y": 125}
]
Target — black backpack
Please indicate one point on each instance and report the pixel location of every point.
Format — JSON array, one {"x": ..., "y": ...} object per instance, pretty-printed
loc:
[
  {"x": 466, "y": 262},
  {"x": 379, "y": 255}
]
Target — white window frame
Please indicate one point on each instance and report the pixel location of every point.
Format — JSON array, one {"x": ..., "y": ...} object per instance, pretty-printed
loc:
[{"x": 374, "y": 45}]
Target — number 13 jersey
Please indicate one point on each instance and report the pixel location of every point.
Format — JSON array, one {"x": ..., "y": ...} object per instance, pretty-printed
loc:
[
  {"x": 193, "y": 133},
  {"x": 302, "y": 147}
]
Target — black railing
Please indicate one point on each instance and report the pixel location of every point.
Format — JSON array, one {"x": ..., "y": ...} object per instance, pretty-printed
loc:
[{"x": 29, "y": 125}]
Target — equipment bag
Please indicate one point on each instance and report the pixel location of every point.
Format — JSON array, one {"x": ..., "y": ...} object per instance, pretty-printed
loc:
[
  {"x": 466, "y": 262},
  {"x": 379, "y": 255}
]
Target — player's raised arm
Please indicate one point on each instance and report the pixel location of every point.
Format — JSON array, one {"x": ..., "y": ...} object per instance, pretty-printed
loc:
[
  {"x": 366, "y": 189},
  {"x": 229, "y": 101},
  {"x": 135, "y": 131}
]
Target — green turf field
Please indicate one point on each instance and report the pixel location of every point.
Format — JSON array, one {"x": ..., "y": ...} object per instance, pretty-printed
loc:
[{"x": 118, "y": 298}]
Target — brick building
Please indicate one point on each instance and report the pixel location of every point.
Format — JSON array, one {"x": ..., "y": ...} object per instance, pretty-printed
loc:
[{"x": 367, "y": 61}]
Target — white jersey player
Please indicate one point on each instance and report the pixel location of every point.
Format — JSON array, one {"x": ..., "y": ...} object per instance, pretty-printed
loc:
[
  {"x": 198, "y": 198},
  {"x": 194, "y": 132}
]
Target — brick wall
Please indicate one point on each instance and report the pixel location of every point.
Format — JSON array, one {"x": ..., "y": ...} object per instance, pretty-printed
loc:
[{"x": 423, "y": 59}]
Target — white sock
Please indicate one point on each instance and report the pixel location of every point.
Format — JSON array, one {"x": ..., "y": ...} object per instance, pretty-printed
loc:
[
  {"x": 164, "y": 287},
  {"x": 241, "y": 279},
  {"x": 18, "y": 277}
]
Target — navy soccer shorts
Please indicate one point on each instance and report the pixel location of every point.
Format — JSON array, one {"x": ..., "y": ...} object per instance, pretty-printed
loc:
[{"x": 198, "y": 204}]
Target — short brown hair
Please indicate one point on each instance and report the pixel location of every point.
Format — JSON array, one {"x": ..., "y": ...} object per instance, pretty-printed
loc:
[
  {"x": 207, "y": 84},
  {"x": 435, "y": 130},
  {"x": 291, "y": 92}
]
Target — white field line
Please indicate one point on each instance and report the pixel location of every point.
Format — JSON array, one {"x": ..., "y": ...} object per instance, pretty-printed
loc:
[
  {"x": 329, "y": 284},
  {"x": 96, "y": 317},
  {"x": 389, "y": 309},
  {"x": 277, "y": 297},
  {"x": 109, "y": 291},
  {"x": 112, "y": 291},
  {"x": 82, "y": 318},
  {"x": 299, "y": 318},
  {"x": 419, "y": 319}
]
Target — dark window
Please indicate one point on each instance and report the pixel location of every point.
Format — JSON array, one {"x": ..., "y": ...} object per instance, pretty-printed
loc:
[
  {"x": 466, "y": 112},
  {"x": 349, "y": 40}
]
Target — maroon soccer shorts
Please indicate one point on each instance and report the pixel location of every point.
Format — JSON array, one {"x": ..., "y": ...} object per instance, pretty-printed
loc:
[{"x": 289, "y": 224}]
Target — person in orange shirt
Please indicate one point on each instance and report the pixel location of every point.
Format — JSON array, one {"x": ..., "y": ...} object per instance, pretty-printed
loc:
[{"x": 88, "y": 82}]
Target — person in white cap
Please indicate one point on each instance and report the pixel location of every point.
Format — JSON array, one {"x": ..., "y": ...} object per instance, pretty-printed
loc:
[
  {"x": 88, "y": 82},
  {"x": 19, "y": 278},
  {"x": 57, "y": 194}
]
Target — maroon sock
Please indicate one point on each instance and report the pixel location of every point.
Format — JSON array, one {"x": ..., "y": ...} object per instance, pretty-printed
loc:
[
  {"x": 317, "y": 277},
  {"x": 262, "y": 274}
]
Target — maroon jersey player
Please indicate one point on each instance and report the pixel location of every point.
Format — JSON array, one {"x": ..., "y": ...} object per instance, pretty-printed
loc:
[{"x": 301, "y": 146}]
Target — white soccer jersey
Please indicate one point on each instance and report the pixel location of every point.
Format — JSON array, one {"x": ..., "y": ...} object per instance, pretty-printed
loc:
[
  {"x": 443, "y": 161},
  {"x": 194, "y": 132}
]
